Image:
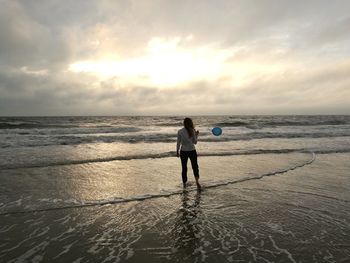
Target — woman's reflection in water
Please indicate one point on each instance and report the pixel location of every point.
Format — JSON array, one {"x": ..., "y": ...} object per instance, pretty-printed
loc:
[{"x": 188, "y": 229}]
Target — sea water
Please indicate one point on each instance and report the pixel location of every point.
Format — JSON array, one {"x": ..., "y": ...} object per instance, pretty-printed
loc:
[{"x": 108, "y": 189}]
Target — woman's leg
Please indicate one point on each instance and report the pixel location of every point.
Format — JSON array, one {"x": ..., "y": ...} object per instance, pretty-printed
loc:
[
  {"x": 184, "y": 158},
  {"x": 194, "y": 163}
]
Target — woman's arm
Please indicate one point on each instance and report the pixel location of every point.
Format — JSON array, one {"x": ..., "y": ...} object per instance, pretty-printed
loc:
[
  {"x": 178, "y": 144},
  {"x": 195, "y": 137}
]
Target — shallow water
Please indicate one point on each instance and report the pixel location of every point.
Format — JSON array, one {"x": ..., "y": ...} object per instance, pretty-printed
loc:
[
  {"x": 284, "y": 217},
  {"x": 263, "y": 200}
]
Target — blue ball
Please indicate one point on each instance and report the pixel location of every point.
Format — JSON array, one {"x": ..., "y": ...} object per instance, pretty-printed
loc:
[{"x": 217, "y": 131}]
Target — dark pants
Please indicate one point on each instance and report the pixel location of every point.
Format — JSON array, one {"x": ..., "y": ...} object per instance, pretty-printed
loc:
[{"x": 184, "y": 155}]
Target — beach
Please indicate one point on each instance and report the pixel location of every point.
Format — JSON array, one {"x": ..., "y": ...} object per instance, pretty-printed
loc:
[{"x": 108, "y": 189}]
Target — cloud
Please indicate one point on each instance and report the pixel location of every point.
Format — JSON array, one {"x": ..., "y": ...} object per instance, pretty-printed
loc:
[
  {"x": 280, "y": 56},
  {"x": 25, "y": 42},
  {"x": 323, "y": 90}
]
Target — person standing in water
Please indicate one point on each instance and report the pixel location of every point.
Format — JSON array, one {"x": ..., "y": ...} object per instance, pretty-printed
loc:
[{"x": 185, "y": 148}]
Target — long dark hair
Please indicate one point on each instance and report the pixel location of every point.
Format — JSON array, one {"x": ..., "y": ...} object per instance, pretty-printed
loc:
[{"x": 188, "y": 123}]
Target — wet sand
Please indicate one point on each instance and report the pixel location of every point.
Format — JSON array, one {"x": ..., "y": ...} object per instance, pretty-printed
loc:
[{"x": 301, "y": 215}]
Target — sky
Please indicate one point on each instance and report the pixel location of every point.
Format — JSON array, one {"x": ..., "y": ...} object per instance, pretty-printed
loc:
[{"x": 174, "y": 57}]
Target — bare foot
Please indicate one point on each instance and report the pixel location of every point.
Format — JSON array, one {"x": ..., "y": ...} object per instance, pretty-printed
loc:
[
  {"x": 184, "y": 185},
  {"x": 198, "y": 185}
]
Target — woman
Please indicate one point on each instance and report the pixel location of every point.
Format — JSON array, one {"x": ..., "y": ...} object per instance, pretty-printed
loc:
[{"x": 186, "y": 139}]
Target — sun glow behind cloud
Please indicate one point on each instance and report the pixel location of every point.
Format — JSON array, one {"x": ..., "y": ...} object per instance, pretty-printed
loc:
[
  {"x": 170, "y": 62},
  {"x": 165, "y": 63}
]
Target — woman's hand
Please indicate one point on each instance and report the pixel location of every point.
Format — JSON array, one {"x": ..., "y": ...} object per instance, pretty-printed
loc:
[
  {"x": 177, "y": 154},
  {"x": 197, "y": 132}
]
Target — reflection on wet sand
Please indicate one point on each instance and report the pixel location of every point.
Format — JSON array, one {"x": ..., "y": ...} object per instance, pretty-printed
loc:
[{"x": 187, "y": 231}]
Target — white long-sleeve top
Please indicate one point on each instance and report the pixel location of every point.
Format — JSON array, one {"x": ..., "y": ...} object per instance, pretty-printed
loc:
[{"x": 185, "y": 141}]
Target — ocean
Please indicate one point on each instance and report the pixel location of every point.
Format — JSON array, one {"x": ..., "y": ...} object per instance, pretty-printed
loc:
[{"x": 109, "y": 189}]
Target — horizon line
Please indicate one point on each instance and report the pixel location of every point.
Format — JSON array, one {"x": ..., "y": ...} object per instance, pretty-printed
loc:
[{"x": 166, "y": 115}]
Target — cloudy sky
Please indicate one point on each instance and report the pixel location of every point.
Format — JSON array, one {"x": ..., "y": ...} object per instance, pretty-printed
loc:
[{"x": 169, "y": 57}]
